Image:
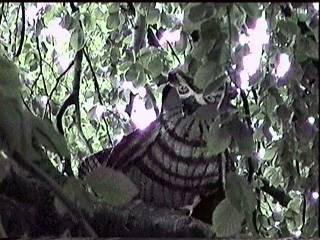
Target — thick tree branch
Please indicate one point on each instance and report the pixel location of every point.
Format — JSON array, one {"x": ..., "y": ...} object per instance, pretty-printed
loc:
[
  {"x": 46, "y": 180},
  {"x": 137, "y": 219}
]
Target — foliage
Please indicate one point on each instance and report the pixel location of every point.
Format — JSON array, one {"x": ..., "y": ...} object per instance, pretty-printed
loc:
[{"x": 273, "y": 113}]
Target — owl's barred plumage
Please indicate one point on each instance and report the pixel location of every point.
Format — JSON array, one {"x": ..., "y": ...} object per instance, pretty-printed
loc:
[{"x": 169, "y": 160}]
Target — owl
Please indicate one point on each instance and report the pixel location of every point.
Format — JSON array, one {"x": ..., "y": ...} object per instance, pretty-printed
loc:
[{"x": 169, "y": 161}]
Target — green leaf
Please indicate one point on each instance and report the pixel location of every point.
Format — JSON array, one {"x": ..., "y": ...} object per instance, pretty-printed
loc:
[
  {"x": 145, "y": 53},
  {"x": 141, "y": 79},
  {"x": 240, "y": 193},
  {"x": 9, "y": 77},
  {"x": 47, "y": 136},
  {"x": 124, "y": 66},
  {"x": 287, "y": 27},
  {"x": 68, "y": 22},
  {"x": 226, "y": 220},
  {"x": 77, "y": 39},
  {"x": 283, "y": 113},
  {"x": 252, "y": 9},
  {"x": 113, "y": 21},
  {"x": 33, "y": 65},
  {"x": 218, "y": 139},
  {"x": 276, "y": 178},
  {"x": 114, "y": 8},
  {"x": 115, "y": 188},
  {"x": 204, "y": 75},
  {"x": 76, "y": 193},
  {"x": 155, "y": 66},
  {"x": 153, "y": 16},
  {"x": 131, "y": 75},
  {"x": 200, "y": 12},
  {"x": 294, "y": 205},
  {"x": 15, "y": 129},
  {"x": 210, "y": 29},
  {"x": 181, "y": 45},
  {"x": 242, "y": 136},
  {"x": 270, "y": 153}
]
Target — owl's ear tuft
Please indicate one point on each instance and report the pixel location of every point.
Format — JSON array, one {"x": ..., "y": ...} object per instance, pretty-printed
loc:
[{"x": 170, "y": 99}]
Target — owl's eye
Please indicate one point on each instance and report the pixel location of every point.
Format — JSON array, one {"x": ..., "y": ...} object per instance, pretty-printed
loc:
[
  {"x": 183, "y": 89},
  {"x": 211, "y": 98}
]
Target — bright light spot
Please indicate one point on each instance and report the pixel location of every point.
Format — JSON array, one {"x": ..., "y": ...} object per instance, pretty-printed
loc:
[
  {"x": 261, "y": 25},
  {"x": 121, "y": 108},
  {"x": 251, "y": 62},
  {"x": 142, "y": 92},
  {"x": 56, "y": 31},
  {"x": 238, "y": 157},
  {"x": 275, "y": 135},
  {"x": 315, "y": 195},
  {"x": 44, "y": 100},
  {"x": 311, "y": 120},
  {"x": 141, "y": 116},
  {"x": 31, "y": 13},
  {"x": 284, "y": 65},
  {"x": 243, "y": 39},
  {"x": 302, "y": 87},
  {"x": 129, "y": 85},
  {"x": 296, "y": 233},
  {"x": 244, "y": 79},
  {"x": 171, "y": 37},
  {"x": 316, "y": 6},
  {"x": 257, "y": 37},
  {"x": 61, "y": 37},
  {"x": 117, "y": 138},
  {"x": 99, "y": 111},
  {"x": 179, "y": 16},
  {"x": 278, "y": 208},
  {"x": 261, "y": 153}
]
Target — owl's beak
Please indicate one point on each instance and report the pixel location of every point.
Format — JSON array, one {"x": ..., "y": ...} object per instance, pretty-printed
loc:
[{"x": 190, "y": 104}]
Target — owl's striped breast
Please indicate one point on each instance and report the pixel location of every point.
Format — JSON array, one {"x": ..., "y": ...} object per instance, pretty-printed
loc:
[{"x": 169, "y": 161}]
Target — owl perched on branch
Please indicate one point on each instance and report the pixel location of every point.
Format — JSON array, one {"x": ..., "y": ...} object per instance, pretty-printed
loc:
[{"x": 169, "y": 161}]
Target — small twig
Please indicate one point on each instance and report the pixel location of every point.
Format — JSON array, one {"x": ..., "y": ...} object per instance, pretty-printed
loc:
[
  {"x": 58, "y": 80},
  {"x": 173, "y": 52},
  {"x": 22, "y": 30},
  {"x": 277, "y": 194},
  {"x": 95, "y": 80}
]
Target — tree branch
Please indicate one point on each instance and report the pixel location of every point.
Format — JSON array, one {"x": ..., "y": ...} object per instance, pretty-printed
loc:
[
  {"x": 277, "y": 194},
  {"x": 46, "y": 180},
  {"x": 22, "y": 30}
]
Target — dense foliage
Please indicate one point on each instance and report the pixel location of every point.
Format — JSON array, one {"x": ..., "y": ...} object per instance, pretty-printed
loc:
[{"x": 78, "y": 82}]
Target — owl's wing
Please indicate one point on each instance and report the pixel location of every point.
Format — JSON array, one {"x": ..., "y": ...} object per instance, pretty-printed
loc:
[
  {"x": 123, "y": 153},
  {"x": 132, "y": 146}
]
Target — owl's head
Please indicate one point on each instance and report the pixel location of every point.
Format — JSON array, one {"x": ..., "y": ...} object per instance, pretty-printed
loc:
[{"x": 181, "y": 92}]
